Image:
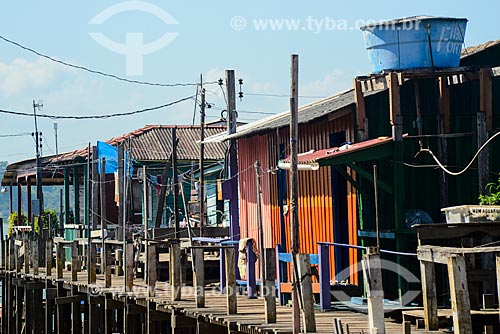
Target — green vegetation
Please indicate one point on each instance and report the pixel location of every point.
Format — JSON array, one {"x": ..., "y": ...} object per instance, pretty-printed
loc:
[
  {"x": 13, "y": 221},
  {"x": 493, "y": 196},
  {"x": 45, "y": 221}
]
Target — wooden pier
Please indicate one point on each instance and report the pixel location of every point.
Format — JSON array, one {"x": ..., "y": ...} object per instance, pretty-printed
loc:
[{"x": 40, "y": 299}]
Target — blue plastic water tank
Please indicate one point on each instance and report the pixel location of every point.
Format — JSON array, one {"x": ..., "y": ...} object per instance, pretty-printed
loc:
[{"x": 404, "y": 43}]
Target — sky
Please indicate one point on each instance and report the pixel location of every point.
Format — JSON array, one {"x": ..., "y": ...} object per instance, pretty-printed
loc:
[{"x": 181, "y": 41}]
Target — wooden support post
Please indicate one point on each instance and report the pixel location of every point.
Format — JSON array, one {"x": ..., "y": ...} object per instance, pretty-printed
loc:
[
  {"x": 325, "y": 298},
  {"x": 19, "y": 256},
  {"x": 129, "y": 267},
  {"x": 497, "y": 267},
  {"x": 27, "y": 254},
  {"x": 372, "y": 271},
  {"x": 361, "y": 120},
  {"x": 74, "y": 261},
  {"x": 118, "y": 261},
  {"x": 48, "y": 257},
  {"x": 12, "y": 254},
  {"x": 92, "y": 265},
  {"x": 250, "y": 271},
  {"x": 486, "y": 96},
  {"x": 107, "y": 259},
  {"x": 444, "y": 103},
  {"x": 50, "y": 295},
  {"x": 19, "y": 309},
  {"x": 95, "y": 323},
  {"x": 175, "y": 270},
  {"x": 63, "y": 312},
  {"x": 460, "y": 303},
  {"x": 231, "y": 299},
  {"x": 76, "y": 313},
  {"x": 268, "y": 285},
  {"x": 152, "y": 271},
  {"x": 151, "y": 324},
  {"x": 406, "y": 327},
  {"x": 60, "y": 259},
  {"x": 428, "y": 276},
  {"x": 35, "y": 256},
  {"x": 482, "y": 160},
  {"x": 199, "y": 276},
  {"x": 304, "y": 269}
]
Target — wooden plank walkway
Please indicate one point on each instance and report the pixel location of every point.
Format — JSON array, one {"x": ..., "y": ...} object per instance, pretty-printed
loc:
[{"x": 250, "y": 318}]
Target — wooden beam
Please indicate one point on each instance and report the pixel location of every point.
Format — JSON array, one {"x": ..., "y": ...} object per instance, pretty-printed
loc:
[
  {"x": 92, "y": 264},
  {"x": 129, "y": 267},
  {"x": 438, "y": 254},
  {"x": 74, "y": 261},
  {"x": 428, "y": 275},
  {"x": 69, "y": 299},
  {"x": 106, "y": 261},
  {"x": 459, "y": 293},
  {"x": 48, "y": 257}
]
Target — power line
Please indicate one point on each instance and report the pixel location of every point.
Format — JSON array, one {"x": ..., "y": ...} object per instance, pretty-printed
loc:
[
  {"x": 83, "y": 68},
  {"x": 140, "y": 111},
  {"x": 17, "y": 134}
]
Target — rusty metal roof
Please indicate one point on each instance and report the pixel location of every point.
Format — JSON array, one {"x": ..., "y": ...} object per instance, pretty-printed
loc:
[
  {"x": 154, "y": 142},
  {"x": 316, "y": 156},
  {"x": 306, "y": 114},
  {"x": 471, "y": 50}
]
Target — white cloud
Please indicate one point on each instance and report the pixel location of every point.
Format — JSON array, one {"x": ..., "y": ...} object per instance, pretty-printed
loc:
[
  {"x": 333, "y": 82},
  {"x": 22, "y": 74}
]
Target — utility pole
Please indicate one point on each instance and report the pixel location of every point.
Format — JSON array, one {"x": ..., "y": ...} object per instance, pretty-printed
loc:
[
  {"x": 175, "y": 181},
  {"x": 201, "y": 186},
  {"x": 233, "y": 158},
  {"x": 39, "y": 191},
  {"x": 259, "y": 222},
  {"x": 56, "y": 139},
  {"x": 294, "y": 181}
]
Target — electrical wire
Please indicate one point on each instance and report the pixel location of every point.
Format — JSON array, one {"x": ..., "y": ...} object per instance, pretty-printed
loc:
[
  {"x": 140, "y": 111},
  {"x": 113, "y": 76},
  {"x": 16, "y": 135},
  {"x": 466, "y": 167}
]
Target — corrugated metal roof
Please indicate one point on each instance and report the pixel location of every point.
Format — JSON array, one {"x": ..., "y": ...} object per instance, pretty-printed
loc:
[
  {"x": 315, "y": 156},
  {"x": 154, "y": 143},
  {"x": 471, "y": 50},
  {"x": 306, "y": 114}
]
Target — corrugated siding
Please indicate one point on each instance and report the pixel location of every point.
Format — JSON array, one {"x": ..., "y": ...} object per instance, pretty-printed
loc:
[{"x": 315, "y": 191}]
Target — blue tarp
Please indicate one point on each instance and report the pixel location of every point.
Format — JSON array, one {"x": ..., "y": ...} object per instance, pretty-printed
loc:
[{"x": 110, "y": 153}]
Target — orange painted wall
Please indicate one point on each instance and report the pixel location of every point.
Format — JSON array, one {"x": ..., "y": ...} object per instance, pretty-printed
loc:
[{"x": 315, "y": 192}]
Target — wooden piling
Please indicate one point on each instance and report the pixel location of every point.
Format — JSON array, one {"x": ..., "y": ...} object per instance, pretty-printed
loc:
[
  {"x": 428, "y": 277},
  {"x": 231, "y": 300},
  {"x": 48, "y": 257},
  {"x": 27, "y": 254},
  {"x": 152, "y": 273},
  {"x": 199, "y": 275},
  {"x": 269, "y": 287},
  {"x": 107, "y": 259},
  {"x": 92, "y": 265},
  {"x": 460, "y": 303},
  {"x": 129, "y": 267},
  {"x": 60, "y": 259},
  {"x": 175, "y": 269},
  {"x": 74, "y": 260},
  {"x": 372, "y": 271},
  {"x": 304, "y": 269},
  {"x": 35, "y": 256}
]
